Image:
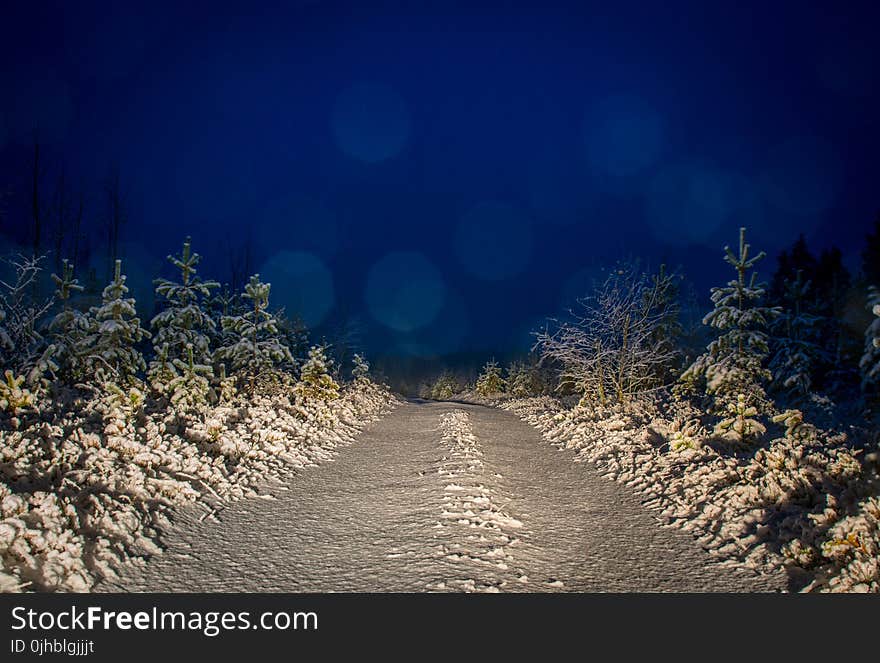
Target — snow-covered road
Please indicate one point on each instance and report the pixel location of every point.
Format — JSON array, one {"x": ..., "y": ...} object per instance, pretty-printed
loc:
[{"x": 438, "y": 497}]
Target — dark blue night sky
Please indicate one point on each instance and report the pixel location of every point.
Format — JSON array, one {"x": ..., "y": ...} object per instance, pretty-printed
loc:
[{"x": 449, "y": 173}]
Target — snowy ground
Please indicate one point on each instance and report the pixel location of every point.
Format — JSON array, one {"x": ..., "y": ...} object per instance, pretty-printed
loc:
[{"x": 439, "y": 497}]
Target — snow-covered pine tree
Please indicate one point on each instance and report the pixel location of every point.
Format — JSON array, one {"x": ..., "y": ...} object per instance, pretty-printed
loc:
[
  {"x": 870, "y": 362},
  {"x": 161, "y": 371},
  {"x": 518, "y": 380},
  {"x": 733, "y": 362},
  {"x": 796, "y": 339},
  {"x": 524, "y": 378},
  {"x": 70, "y": 327},
  {"x": 361, "y": 370},
  {"x": 184, "y": 321},
  {"x": 189, "y": 389},
  {"x": 253, "y": 345},
  {"x": 490, "y": 382},
  {"x": 740, "y": 421},
  {"x": 444, "y": 387},
  {"x": 116, "y": 330},
  {"x": 316, "y": 381}
]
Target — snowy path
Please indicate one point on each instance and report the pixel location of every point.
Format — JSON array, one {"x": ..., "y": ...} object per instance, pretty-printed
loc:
[{"x": 439, "y": 497}]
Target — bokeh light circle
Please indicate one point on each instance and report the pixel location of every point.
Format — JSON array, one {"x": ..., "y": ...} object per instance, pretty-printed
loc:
[
  {"x": 623, "y": 136},
  {"x": 301, "y": 284},
  {"x": 802, "y": 176},
  {"x": 404, "y": 291},
  {"x": 493, "y": 241},
  {"x": 370, "y": 122}
]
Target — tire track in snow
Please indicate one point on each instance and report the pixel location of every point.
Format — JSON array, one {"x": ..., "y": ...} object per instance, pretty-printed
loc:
[{"x": 476, "y": 531}]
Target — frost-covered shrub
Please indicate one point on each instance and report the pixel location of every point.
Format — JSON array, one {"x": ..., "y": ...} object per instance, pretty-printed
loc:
[
  {"x": 523, "y": 380},
  {"x": 13, "y": 395},
  {"x": 733, "y": 362},
  {"x": 490, "y": 382},
  {"x": 795, "y": 426},
  {"x": 253, "y": 345},
  {"x": 111, "y": 344},
  {"x": 685, "y": 435},
  {"x": 184, "y": 322},
  {"x": 315, "y": 380},
  {"x": 621, "y": 341},
  {"x": 23, "y": 349}
]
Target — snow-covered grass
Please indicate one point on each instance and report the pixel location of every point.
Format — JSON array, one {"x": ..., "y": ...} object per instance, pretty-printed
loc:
[
  {"x": 801, "y": 498},
  {"x": 87, "y": 485}
]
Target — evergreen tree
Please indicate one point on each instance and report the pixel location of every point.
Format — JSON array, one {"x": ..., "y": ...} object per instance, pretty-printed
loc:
[
  {"x": 870, "y": 362},
  {"x": 833, "y": 292},
  {"x": 254, "y": 345},
  {"x": 70, "y": 327},
  {"x": 184, "y": 322},
  {"x": 490, "y": 382},
  {"x": 523, "y": 380},
  {"x": 795, "y": 343},
  {"x": 189, "y": 389},
  {"x": 733, "y": 362},
  {"x": 115, "y": 333},
  {"x": 798, "y": 259},
  {"x": 316, "y": 381},
  {"x": 444, "y": 387},
  {"x": 361, "y": 370}
]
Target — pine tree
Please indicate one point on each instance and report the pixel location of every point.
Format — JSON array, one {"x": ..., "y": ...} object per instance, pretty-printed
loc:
[
  {"x": 254, "y": 345},
  {"x": 490, "y": 382},
  {"x": 519, "y": 382},
  {"x": 116, "y": 331},
  {"x": 184, "y": 322},
  {"x": 832, "y": 286},
  {"x": 361, "y": 370},
  {"x": 798, "y": 259},
  {"x": 444, "y": 387},
  {"x": 161, "y": 372},
  {"x": 740, "y": 421},
  {"x": 870, "y": 362},
  {"x": 796, "y": 341},
  {"x": 733, "y": 362},
  {"x": 189, "y": 389},
  {"x": 70, "y": 327},
  {"x": 316, "y": 381}
]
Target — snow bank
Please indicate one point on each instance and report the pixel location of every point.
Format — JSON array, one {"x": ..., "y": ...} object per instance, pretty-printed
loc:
[
  {"x": 86, "y": 485},
  {"x": 804, "y": 500}
]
